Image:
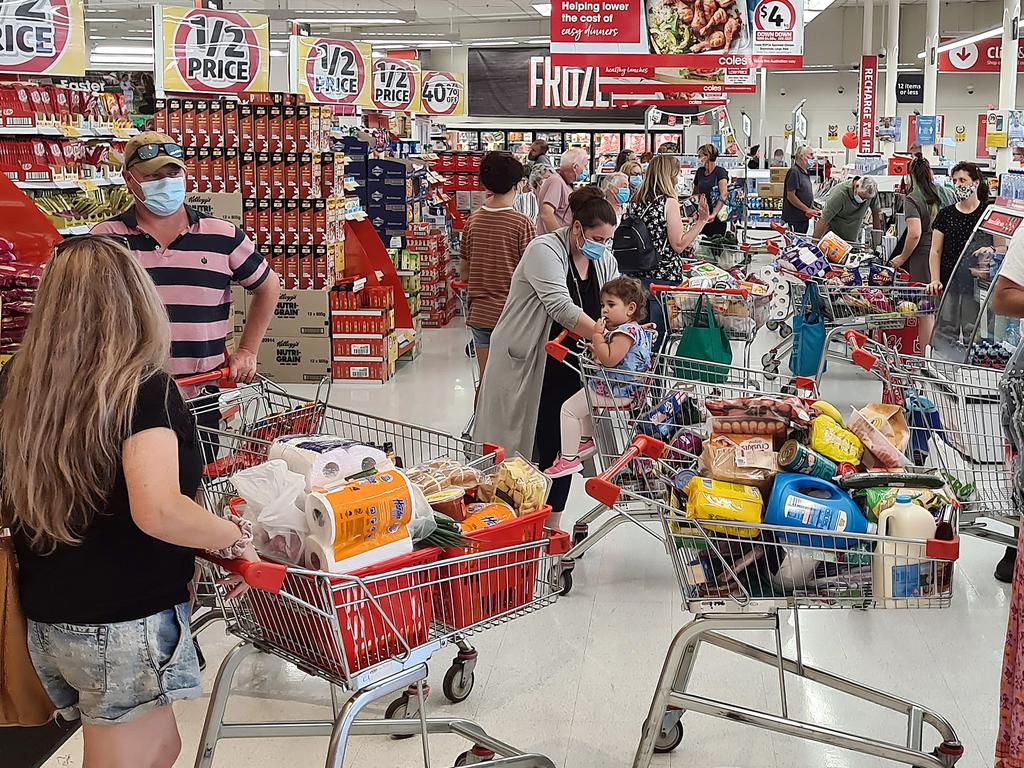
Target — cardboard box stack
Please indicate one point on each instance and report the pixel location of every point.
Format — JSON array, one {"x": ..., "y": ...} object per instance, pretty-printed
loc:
[
  {"x": 461, "y": 173},
  {"x": 364, "y": 344},
  {"x": 437, "y": 300},
  {"x": 407, "y": 264}
]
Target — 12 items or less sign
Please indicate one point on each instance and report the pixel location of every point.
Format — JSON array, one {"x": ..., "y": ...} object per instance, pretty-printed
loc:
[
  {"x": 396, "y": 85},
  {"x": 42, "y": 37},
  {"x": 329, "y": 71},
  {"x": 205, "y": 51},
  {"x": 443, "y": 93}
]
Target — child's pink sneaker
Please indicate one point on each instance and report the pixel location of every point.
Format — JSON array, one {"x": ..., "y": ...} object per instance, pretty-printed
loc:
[
  {"x": 561, "y": 467},
  {"x": 587, "y": 449}
]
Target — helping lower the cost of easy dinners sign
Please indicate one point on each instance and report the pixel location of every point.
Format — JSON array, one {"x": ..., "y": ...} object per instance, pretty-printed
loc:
[{"x": 678, "y": 33}]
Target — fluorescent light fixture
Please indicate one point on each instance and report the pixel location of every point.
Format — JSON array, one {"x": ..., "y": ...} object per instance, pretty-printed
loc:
[
  {"x": 539, "y": 41},
  {"x": 349, "y": 20},
  {"x": 275, "y": 52},
  {"x": 401, "y": 35},
  {"x": 492, "y": 44},
  {"x": 994, "y": 32},
  {"x": 397, "y": 45},
  {"x": 127, "y": 50},
  {"x": 544, "y": 9},
  {"x": 107, "y": 20}
]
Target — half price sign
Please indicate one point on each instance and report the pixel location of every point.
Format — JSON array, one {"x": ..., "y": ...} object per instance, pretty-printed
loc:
[
  {"x": 42, "y": 37},
  {"x": 396, "y": 85},
  {"x": 444, "y": 93},
  {"x": 329, "y": 71},
  {"x": 206, "y": 51}
]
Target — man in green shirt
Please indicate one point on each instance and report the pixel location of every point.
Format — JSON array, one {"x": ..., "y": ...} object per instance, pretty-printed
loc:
[{"x": 845, "y": 208}]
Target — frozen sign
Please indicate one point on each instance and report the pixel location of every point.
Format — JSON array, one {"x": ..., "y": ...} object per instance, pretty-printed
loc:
[
  {"x": 42, "y": 37},
  {"x": 700, "y": 34},
  {"x": 553, "y": 87},
  {"x": 396, "y": 85}
]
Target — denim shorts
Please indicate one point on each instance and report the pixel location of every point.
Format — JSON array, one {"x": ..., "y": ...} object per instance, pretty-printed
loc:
[
  {"x": 481, "y": 336},
  {"x": 113, "y": 673}
]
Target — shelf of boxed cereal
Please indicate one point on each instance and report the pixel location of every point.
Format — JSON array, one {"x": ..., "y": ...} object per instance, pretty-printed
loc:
[{"x": 460, "y": 173}]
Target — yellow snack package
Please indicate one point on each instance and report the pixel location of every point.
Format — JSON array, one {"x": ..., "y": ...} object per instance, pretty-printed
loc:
[
  {"x": 830, "y": 439},
  {"x": 719, "y": 500},
  {"x": 520, "y": 485}
]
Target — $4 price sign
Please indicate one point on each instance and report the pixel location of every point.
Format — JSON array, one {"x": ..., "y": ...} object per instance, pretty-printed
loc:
[
  {"x": 442, "y": 93},
  {"x": 774, "y": 21}
]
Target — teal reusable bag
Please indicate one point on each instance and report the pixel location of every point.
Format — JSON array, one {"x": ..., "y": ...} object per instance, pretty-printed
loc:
[
  {"x": 808, "y": 335},
  {"x": 703, "y": 344}
]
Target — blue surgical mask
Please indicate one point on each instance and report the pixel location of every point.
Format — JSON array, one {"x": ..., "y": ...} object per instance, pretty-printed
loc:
[
  {"x": 811, "y": 164},
  {"x": 622, "y": 196},
  {"x": 583, "y": 175},
  {"x": 593, "y": 250},
  {"x": 164, "y": 196},
  {"x": 858, "y": 200},
  {"x": 635, "y": 181}
]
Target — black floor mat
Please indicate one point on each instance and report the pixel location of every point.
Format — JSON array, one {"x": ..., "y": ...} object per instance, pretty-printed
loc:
[{"x": 31, "y": 747}]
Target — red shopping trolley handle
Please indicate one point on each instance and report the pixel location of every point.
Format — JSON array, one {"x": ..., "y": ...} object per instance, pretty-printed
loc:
[
  {"x": 268, "y": 577},
  {"x": 778, "y": 228},
  {"x": 556, "y": 347},
  {"x": 860, "y": 356},
  {"x": 603, "y": 488},
  {"x": 220, "y": 374},
  {"x": 656, "y": 289},
  {"x": 460, "y": 285}
]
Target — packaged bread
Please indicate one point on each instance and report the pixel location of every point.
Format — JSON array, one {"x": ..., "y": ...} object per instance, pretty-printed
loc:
[
  {"x": 743, "y": 459},
  {"x": 521, "y": 485}
]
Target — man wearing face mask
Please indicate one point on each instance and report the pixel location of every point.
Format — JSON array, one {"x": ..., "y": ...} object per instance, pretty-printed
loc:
[
  {"x": 798, "y": 204},
  {"x": 846, "y": 206},
  {"x": 193, "y": 259},
  {"x": 554, "y": 193}
]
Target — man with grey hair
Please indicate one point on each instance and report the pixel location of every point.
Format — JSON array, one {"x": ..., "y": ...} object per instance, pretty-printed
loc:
[
  {"x": 554, "y": 193},
  {"x": 846, "y": 206},
  {"x": 798, "y": 199}
]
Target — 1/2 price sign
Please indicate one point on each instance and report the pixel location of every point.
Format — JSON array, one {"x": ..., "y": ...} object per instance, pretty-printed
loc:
[
  {"x": 395, "y": 85},
  {"x": 443, "y": 93},
  {"x": 205, "y": 51},
  {"x": 42, "y": 37},
  {"x": 328, "y": 71}
]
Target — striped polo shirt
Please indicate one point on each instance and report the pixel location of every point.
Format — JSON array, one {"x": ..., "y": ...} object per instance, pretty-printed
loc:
[{"x": 193, "y": 277}]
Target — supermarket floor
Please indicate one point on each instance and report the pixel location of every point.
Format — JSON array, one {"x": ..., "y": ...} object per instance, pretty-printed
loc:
[{"x": 574, "y": 681}]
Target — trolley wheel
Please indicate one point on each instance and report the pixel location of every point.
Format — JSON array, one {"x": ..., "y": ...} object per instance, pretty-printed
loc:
[
  {"x": 786, "y": 330},
  {"x": 773, "y": 325},
  {"x": 667, "y": 741},
  {"x": 457, "y": 685},
  {"x": 399, "y": 710},
  {"x": 474, "y": 757},
  {"x": 565, "y": 580},
  {"x": 470, "y": 349},
  {"x": 768, "y": 359},
  {"x": 771, "y": 372},
  {"x": 578, "y": 537}
]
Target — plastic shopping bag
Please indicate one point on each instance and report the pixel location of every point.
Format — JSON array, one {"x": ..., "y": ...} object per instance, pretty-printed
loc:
[{"x": 275, "y": 503}]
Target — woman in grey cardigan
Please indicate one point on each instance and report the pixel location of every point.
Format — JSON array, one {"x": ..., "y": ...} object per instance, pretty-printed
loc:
[{"x": 556, "y": 286}]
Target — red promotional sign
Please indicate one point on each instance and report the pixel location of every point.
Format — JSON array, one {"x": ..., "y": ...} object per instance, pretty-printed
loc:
[
  {"x": 42, "y": 37},
  {"x": 1000, "y": 222},
  {"x": 982, "y": 56},
  {"x": 443, "y": 93},
  {"x": 866, "y": 125},
  {"x": 396, "y": 85},
  {"x": 335, "y": 70}
]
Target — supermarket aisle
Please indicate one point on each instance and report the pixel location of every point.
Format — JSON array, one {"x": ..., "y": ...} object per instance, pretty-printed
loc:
[{"x": 574, "y": 681}]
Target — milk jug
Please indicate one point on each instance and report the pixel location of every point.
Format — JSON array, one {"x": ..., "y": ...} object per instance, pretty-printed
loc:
[{"x": 901, "y": 571}]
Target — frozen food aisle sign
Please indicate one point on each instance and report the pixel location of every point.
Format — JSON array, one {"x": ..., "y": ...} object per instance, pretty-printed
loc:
[
  {"x": 329, "y": 71},
  {"x": 42, "y": 37},
  {"x": 205, "y": 51},
  {"x": 443, "y": 93},
  {"x": 396, "y": 85},
  {"x": 678, "y": 33}
]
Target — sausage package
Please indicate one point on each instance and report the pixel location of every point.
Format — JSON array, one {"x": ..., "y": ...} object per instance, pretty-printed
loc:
[{"x": 883, "y": 431}]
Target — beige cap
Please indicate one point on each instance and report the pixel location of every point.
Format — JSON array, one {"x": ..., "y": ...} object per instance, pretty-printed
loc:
[{"x": 146, "y": 167}]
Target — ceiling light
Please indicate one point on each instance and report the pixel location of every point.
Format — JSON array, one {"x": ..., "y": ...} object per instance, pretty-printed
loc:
[
  {"x": 492, "y": 44},
  {"x": 105, "y": 21},
  {"x": 348, "y": 20},
  {"x": 544, "y": 9},
  {"x": 112, "y": 59},
  {"x": 539, "y": 41},
  {"x": 128, "y": 50},
  {"x": 966, "y": 41},
  {"x": 275, "y": 52},
  {"x": 401, "y": 35}
]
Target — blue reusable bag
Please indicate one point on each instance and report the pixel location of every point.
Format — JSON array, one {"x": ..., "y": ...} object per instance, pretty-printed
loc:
[{"x": 808, "y": 335}]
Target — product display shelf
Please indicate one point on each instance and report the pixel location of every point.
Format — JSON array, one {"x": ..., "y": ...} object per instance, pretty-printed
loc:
[{"x": 397, "y": 195}]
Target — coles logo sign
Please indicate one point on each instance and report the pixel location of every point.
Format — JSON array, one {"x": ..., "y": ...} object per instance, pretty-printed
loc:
[
  {"x": 396, "y": 85},
  {"x": 443, "y": 93},
  {"x": 335, "y": 71},
  {"x": 214, "y": 51},
  {"x": 982, "y": 56},
  {"x": 42, "y": 37}
]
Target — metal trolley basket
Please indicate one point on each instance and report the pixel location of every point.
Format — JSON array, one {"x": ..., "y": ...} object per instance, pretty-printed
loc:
[
  {"x": 730, "y": 577},
  {"x": 372, "y": 632}
]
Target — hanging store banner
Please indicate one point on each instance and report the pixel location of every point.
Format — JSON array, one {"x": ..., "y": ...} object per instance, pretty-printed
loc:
[
  {"x": 42, "y": 37},
  {"x": 329, "y": 71},
  {"x": 395, "y": 85},
  {"x": 866, "y": 126},
  {"x": 981, "y": 56},
  {"x": 684, "y": 33},
  {"x": 926, "y": 130},
  {"x": 443, "y": 93},
  {"x": 206, "y": 51},
  {"x": 910, "y": 88},
  {"x": 675, "y": 80}
]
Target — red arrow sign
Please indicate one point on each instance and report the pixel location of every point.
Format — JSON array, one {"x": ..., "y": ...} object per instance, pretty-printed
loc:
[{"x": 982, "y": 56}]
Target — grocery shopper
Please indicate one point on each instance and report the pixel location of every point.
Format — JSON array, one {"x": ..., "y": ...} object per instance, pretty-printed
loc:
[
  {"x": 100, "y": 466},
  {"x": 954, "y": 224},
  {"x": 525, "y": 201},
  {"x": 655, "y": 203},
  {"x": 922, "y": 203},
  {"x": 625, "y": 156},
  {"x": 619, "y": 343},
  {"x": 634, "y": 172},
  {"x": 798, "y": 204},
  {"x": 616, "y": 192},
  {"x": 193, "y": 259},
  {"x": 555, "y": 287},
  {"x": 554, "y": 193},
  {"x": 846, "y": 206},
  {"x": 493, "y": 242},
  {"x": 711, "y": 182},
  {"x": 538, "y": 154}
]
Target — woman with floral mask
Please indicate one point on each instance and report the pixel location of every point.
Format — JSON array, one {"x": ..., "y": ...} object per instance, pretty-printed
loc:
[
  {"x": 955, "y": 223},
  {"x": 556, "y": 287}
]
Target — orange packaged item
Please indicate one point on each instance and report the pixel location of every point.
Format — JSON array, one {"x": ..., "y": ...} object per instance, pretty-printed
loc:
[{"x": 480, "y": 516}]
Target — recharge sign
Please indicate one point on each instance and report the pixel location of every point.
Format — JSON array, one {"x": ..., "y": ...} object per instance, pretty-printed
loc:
[
  {"x": 396, "y": 85},
  {"x": 329, "y": 71},
  {"x": 42, "y": 37},
  {"x": 444, "y": 93},
  {"x": 205, "y": 51}
]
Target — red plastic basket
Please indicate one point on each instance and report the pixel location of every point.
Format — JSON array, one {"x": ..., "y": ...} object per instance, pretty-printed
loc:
[{"x": 475, "y": 591}]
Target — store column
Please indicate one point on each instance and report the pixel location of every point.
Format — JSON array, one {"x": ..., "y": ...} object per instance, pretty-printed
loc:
[
  {"x": 762, "y": 133},
  {"x": 1008, "y": 73},
  {"x": 869, "y": 27},
  {"x": 931, "y": 59},
  {"x": 892, "y": 62}
]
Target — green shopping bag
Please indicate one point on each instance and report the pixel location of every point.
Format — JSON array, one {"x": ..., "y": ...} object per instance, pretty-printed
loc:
[{"x": 703, "y": 344}]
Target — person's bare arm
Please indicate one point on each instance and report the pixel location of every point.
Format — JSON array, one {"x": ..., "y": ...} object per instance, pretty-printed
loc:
[
  {"x": 261, "y": 311},
  {"x": 797, "y": 203},
  {"x": 679, "y": 238},
  {"x": 910, "y": 243},
  {"x": 609, "y": 354},
  {"x": 1008, "y": 298},
  {"x": 876, "y": 218},
  {"x": 820, "y": 228},
  {"x": 723, "y": 195},
  {"x": 150, "y": 461},
  {"x": 547, "y": 215}
]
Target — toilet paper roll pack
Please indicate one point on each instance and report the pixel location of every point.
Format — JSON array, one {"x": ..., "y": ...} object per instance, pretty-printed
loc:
[{"x": 326, "y": 461}]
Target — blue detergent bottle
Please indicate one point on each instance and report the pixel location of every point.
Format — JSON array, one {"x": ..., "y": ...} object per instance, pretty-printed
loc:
[{"x": 803, "y": 501}]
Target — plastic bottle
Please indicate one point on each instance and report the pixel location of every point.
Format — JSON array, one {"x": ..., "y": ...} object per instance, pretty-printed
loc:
[
  {"x": 900, "y": 571},
  {"x": 812, "y": 503}
]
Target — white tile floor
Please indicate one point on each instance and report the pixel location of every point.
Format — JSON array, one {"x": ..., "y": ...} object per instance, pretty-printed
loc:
[{"x": 574, "y": 681}]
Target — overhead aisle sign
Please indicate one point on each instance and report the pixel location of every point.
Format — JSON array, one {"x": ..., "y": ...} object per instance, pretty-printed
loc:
[
  {"x": 207, "y": 51},
  {"x": 702, "y": 34},
  {"x": 395, "y": 85},
  {"x": 42, "y": 37},
  {"x": 443, "y": 93},
  {"x": 328, "y": 71}
]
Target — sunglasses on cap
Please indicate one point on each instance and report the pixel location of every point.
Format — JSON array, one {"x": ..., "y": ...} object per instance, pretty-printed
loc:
[
  {"x": 120, "y": 240},
  {"x": 149, "y": 151}
]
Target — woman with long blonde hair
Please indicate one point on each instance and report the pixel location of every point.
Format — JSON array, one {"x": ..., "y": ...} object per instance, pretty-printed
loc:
[
  {"x": 100, "y": 468},
  {"x": 656, "y": 204}
]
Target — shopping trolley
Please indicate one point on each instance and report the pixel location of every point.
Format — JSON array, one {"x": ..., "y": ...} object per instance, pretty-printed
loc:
[
  {"x": 462, "y": 294},
  {"x": 726, "y": 256},
  {"x": 954, "y": 415},
  {"x": 735, "y": 582}
]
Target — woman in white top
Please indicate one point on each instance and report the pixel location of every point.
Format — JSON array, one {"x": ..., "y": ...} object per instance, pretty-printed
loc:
[
  {"x": 526, "y": 199},
  {"x": 616, "y": 191}
]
